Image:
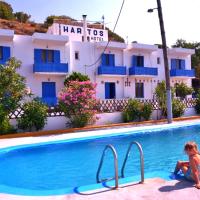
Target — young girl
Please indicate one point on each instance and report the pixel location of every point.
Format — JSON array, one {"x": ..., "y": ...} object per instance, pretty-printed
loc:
[{"x": 190, "y": 169}]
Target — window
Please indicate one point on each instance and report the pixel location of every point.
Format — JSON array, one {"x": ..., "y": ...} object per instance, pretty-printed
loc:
[
  {"x": 1, "y": 53},
  {"x": 110, "y": 92},
  {"x": 158, "y": 60},
  {"x": 50, "y": 55},
  {"x": 137, "y": 61},
  {"x": 139, "y": 90},
  {"x": 47, "y": 56},
  {"x": 140, "y": 61},
  {"x": 108, "y": 60},
  {"x": 76, "y": 55},
  {"x": 177, "y": 64}
]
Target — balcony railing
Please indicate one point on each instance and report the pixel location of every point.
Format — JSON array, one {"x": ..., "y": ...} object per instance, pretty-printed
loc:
[
  {"x": 182, "y": 72},
  {"x": 58, "y": 68},
  {"x": 147, "y": 71},
  {"x": 111, "y": 70}
]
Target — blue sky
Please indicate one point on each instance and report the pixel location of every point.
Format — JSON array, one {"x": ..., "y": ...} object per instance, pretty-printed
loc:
[{"x": 181, "y": 16}]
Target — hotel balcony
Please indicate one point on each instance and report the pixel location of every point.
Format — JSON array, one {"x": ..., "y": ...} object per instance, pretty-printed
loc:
[
  {"x": 50, "y": 68},
  {"x": 182, "y": 73},
  {"x": 112, "y": 70},
  {"x": 143, "y": 71}
]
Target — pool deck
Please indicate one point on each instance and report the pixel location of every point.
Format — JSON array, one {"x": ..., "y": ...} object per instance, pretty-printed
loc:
[{"x": 152, "y": 189}]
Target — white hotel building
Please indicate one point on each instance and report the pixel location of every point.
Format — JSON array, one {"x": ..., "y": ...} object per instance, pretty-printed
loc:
[{"x": 123, "y": 71}]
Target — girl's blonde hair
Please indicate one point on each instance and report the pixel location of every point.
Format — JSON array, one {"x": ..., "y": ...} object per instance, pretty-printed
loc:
[{"x": 191, "y": 146}]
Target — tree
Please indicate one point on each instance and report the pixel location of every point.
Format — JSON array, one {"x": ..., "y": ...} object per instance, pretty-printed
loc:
[
  {"x": 22, "y": 17},
  {"x": 12, "y": 91},
  {"x": 6, "y": 11},
  {"x": 50, "y": 19},
  {"x": 196, "y": 57}
]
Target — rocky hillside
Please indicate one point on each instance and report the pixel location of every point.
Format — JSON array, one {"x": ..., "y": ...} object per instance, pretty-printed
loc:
[{"x": 29, "y": 28}]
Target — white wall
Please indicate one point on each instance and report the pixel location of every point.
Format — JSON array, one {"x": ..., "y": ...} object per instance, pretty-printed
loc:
[{"x": 56, "y": 123}]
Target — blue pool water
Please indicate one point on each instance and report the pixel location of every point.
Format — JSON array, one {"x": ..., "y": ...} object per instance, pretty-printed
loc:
[{"x": 61, "y": 165}]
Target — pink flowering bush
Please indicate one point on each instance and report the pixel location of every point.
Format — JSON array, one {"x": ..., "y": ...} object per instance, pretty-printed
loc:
[{"x": 77, "y": 100}]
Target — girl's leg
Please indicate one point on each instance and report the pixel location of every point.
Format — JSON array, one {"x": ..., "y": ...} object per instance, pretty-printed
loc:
[{"x": 180, "y": 165}]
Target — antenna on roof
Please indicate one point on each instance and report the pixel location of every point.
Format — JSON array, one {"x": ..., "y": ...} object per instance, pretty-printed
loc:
[{"x": 103, "y": 18}]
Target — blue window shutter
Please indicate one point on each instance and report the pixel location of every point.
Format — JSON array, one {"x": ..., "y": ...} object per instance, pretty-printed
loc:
[
  {"x": 6, "y": 53},
  {"x": 56, "y": 56},
  {"x": 37, "y": 55},
  {"x": 173, "y": 63},
  {"x": 107, "y": 90},
  {"x": 112, "y": 59},
  {"x": 134, "y": 61},
  {"x": 103, "y": 59},
  {"x": 182, "y": 64}
]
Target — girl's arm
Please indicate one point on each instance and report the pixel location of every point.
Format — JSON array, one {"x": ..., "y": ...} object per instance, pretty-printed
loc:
[{"x": 195, "y": 172}]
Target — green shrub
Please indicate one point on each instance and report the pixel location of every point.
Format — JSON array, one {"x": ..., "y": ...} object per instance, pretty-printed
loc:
[
  {"x": 146, "y": 111},
  {"x": 197, "y": 106},
  {"x": 5, "y": 127},
  {"x": 34, "y": 116},
  {"x": 132, "y": 111},
  {"x": 178, "y": 108},
  {"x": 182, "y": 90}
]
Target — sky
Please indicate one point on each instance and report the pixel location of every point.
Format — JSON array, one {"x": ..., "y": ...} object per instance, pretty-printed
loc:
[{"x": 181, "y": 17}]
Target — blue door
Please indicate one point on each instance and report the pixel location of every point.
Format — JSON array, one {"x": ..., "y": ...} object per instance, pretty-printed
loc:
[
  {"x": 110, "y": 92},
  {"x": 49, "y": 93}
]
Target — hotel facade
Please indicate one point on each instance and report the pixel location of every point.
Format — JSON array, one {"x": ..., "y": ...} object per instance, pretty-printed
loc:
[{"x": 122, "y": 71}]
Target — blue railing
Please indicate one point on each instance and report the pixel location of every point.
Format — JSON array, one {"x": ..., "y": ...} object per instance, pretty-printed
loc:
[
  {"x": 182, "y": 72},
  {"x": 50, "y": 101},
  {"x": 50, "y": 67},
  {"x": 111, "y": 70},
  {"x": 143, "y": 71}
]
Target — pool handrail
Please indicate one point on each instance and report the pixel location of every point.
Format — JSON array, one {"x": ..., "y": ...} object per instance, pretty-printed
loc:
[
  {"x": 116, "y": 178},
  {"x": 141, "y": 160}
]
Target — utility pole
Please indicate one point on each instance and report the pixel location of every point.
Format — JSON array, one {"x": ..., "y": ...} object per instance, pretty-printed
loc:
[{"x": 166, "y": 63}]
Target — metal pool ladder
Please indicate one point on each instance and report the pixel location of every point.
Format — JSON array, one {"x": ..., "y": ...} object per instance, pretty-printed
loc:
[
  {"x": 141, "y": 160},
  {"x": 116, "y": 178}
]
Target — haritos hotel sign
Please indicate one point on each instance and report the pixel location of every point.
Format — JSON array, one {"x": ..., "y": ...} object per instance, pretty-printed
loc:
[{"x": 76, "y": 33}]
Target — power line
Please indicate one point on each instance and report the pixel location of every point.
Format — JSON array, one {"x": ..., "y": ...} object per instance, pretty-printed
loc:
[{"x": 108, "y": 40}]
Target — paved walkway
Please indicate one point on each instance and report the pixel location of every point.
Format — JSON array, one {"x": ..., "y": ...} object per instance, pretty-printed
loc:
[{"x": 153, "y": 189}]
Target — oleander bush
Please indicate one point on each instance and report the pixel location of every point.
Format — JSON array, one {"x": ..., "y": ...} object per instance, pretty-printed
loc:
[
  {"x": 34, "y": 116},
  {"x": 77, "y": 100},
  {"x": 76, "y": 76}
]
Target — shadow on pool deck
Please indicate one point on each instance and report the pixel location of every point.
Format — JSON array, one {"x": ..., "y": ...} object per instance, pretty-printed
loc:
[{"x": 178, "y": 186}]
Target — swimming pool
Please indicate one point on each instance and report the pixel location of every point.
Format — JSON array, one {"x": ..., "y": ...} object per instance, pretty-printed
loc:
[{"x": 52, "y": 168}]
